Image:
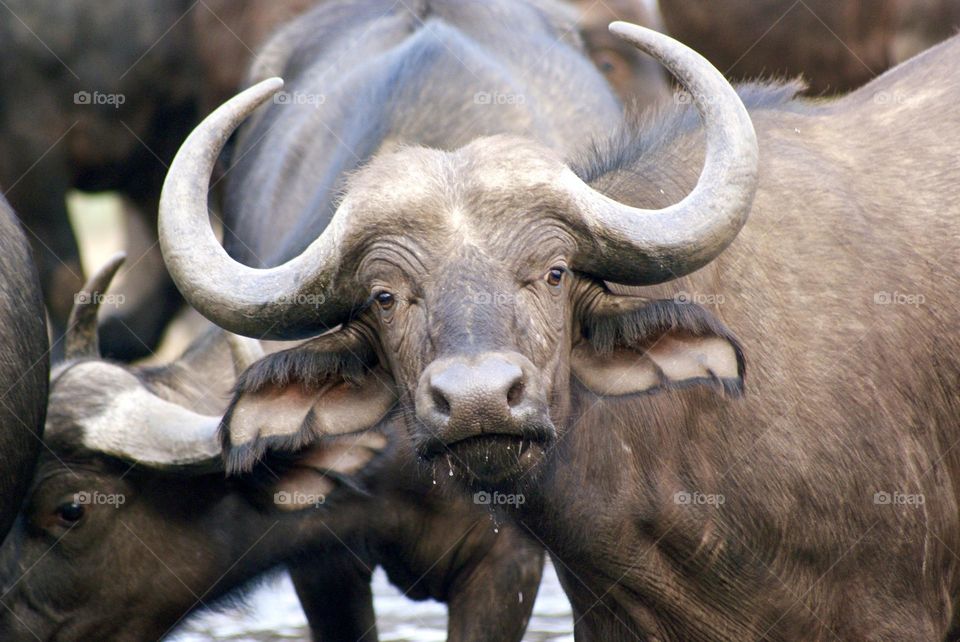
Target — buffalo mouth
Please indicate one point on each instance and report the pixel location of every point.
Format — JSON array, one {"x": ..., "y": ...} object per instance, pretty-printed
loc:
[{"x": 490, "y": 456}]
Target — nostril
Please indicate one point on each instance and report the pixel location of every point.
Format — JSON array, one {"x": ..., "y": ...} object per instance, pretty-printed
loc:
[
  {"x": 515, "y": 393},
  {"x": 440, "y": 402}
]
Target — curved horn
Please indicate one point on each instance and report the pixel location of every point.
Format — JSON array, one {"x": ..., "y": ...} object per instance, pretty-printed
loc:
[
  {"x": 264, "y": 303},
  {"x": 141, "y": 427},
  {"x": 244, "y": 351},
  {"x": 636, "y": 246},
  {"x": 81, "y": 340}
]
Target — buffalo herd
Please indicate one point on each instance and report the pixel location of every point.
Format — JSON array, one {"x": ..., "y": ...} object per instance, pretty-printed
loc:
[{"x": 480, "y": 284}]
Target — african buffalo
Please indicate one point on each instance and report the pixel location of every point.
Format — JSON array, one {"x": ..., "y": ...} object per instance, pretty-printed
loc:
[
  {"x": 130, "y": 525},
  {"x": 836, "y": 45},
  {"x": 24, "y": 366},
  {"x": 635, "y": 77},
  {"x": 96, "y": 95},
  {"x": 479, "y": 295}
]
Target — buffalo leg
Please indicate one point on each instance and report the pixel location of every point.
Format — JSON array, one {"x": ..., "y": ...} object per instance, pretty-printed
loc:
[
  {"x": 335, "y": 593},
  {"x": 493, "y": 600}
]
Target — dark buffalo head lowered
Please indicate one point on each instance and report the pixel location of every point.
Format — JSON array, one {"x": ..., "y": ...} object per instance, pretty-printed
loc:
[
  {"x": 131, "y": 462},
  {"x": 129, "y": 524},
  {"x": 469, "y": 288}
]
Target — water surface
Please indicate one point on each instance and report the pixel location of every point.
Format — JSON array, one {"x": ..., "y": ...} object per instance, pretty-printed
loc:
[{"x": 274, "y": 614}]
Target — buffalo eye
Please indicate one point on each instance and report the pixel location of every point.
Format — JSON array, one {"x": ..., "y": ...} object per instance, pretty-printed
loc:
[
  {"x": 608, "y": 61},
  {"x": 555, "y": 276},
  {"x": 69, "y": 513},
  {"x": 385, "y": 300}
]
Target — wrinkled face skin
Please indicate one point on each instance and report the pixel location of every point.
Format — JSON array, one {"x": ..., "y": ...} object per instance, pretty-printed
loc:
[{"x": 473, "y": 314}]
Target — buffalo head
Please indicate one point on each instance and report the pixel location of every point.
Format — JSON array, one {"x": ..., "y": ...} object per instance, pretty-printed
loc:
[
  {"x": 106, "y": 543},
  {"x": 466, "y": 289}
]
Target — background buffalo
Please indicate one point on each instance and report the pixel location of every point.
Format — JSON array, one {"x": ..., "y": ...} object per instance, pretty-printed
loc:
[
  {"x": 96, "y": 96},
  {"x": 834, "y": 45},
  {"x": 24, "y": 366}
]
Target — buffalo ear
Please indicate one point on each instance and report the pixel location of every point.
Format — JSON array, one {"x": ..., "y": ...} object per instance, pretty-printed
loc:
[
  {"x": 291, "y": 399},
  {"x": 317, "y": 471},
  {"x": 631, "y": 345}
]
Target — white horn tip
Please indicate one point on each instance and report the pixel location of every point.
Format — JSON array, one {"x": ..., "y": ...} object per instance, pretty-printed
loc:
[
  {"x": 115, "y": 261},
  {"x": 624, "y": 29},
  {"x": 275, "y": 82}
]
